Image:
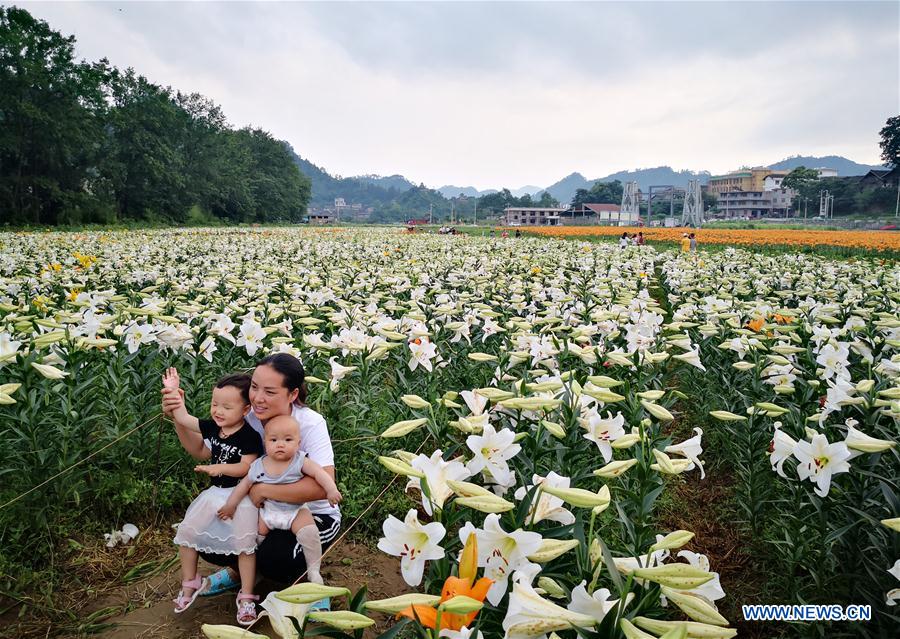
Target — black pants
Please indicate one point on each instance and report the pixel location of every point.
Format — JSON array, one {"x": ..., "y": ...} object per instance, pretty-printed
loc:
[{"x": 275, "y": 558}]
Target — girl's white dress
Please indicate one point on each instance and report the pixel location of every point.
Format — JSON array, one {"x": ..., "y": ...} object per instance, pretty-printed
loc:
[{"x": 202, "y": 530}]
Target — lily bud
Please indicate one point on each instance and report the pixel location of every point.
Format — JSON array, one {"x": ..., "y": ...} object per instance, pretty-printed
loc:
[
  {"x": 48, "y": 338},
  {"x": 550, "y": 549},
  {"x": 651, "y": 395},
  {"x": 603, "y": 394},
  {"x": 633, "y": 632},
  {"x": 402, "y": 428},
  {"x": 625, "y": 441},
  {"x": 530, "y": 403},
  {"x": 396, "y": 604},
  {"x": 468, "y": 489},
  {"x": 482, "y": 357},
  {"x": 678, "y": 575},
  {"x": 579, "y": 497},
  {"x": 657, "y": 411},
  {"x": 400, "y": 467},
  {"x": 311, "y": 379},
  {"x": 551, "y": 587},
  {"x": 890, "y": 393},
  {"x": 595, "y": 552},
  {"x": 695, "y": 607},
  {"x": 893, "y": 524},
  {"x": 725, "y": 416},
  {"x": 493, "y": 394},
  {"x": 615, "y": 468},
  {"x": 414, "y": 401},
  {"x": 858, "y": 440},
  {"x": 693, "y": 628},
  {"x": 468, "y": 560},
  {"x": 554, "y": 429},
  {"x": 673, "y": 540},
  {"x": 772, "y": 410},
  {"x": 619, "y": 358},
  {"x": 342, "y": 619},
  {"x": 309, "y": 592},
  {"x": 50, "y": 372},
  {"x": 486, "y": 503},
  {"x": 865, "y": 385},
  {"x": 228, "y": 632},
  {"x": 603, "y": 381},
  {"x": 461, "y": 605}
]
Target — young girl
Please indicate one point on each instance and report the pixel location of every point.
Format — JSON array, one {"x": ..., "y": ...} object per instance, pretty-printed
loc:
[
  {"x": 233, "y": 446},
  {"x": 285, "y": 463}
]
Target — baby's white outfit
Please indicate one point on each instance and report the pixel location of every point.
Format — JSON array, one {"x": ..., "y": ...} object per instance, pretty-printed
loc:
[{"x": 278, "y": 515}]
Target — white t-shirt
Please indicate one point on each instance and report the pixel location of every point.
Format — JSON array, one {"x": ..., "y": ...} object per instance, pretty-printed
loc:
[{"x": 315, "y": 442}]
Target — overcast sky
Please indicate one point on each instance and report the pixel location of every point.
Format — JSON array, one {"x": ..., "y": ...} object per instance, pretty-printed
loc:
[{"x": 507, "y": 94}]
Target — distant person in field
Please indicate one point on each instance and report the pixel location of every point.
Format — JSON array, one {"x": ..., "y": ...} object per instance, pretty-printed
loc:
[
  {"x": 685, "y": 243},
  {"x": 623, "y": 241},
  {"x": 518, "y": 232},
  {"x": 693, "y": 245},
  {"x": 277, "y": 388},
  {"x": 232, "y": 445},
  {"x": 640, "y": 238}
]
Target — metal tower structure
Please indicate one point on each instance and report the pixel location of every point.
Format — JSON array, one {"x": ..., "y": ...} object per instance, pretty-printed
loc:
[
  {"x": 693, "y": 205},
  {"x": 631, "y": 202}
]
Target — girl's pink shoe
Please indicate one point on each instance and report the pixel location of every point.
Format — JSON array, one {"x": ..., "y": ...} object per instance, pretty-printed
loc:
[{"x": 183, "y": 601}]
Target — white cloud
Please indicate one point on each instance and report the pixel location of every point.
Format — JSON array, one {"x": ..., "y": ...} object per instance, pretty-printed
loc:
[{"x": 506, "y": 94}]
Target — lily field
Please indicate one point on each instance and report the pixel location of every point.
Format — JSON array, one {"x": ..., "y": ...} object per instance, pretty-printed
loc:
[{"x": 515, "y": 423}]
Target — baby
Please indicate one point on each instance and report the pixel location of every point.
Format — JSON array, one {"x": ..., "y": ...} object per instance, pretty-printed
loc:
[{"x": 285, "y": 463}]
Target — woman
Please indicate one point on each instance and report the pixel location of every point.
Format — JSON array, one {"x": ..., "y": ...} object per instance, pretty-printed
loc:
[{"x": 278, "y": 388}]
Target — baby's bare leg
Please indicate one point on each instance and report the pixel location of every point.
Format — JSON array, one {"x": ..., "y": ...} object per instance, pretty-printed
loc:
[
  {"x": 302, "y": 519},
  {"x": 308, "y": 537},
  {"x": 262, "y": 530}
]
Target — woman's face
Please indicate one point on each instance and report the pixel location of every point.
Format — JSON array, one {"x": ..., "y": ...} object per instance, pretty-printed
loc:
[{"x": 268, "y": 395}]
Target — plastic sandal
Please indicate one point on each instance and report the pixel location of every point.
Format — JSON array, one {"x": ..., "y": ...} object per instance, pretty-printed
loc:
[
  {"x": 322, "y": 605},
  {"x": 246, "y": 613},
  {"x": 183, "y": 602},
  {"x": 219, "y": 582}
]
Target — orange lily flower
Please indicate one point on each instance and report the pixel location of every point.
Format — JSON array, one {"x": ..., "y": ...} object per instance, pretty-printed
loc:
[
  {"x": 465, "y": 585},
  {"x": 756, "y": 324}
]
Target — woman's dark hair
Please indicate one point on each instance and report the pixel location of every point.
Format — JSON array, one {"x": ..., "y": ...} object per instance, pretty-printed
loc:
[
  {"x": 290, "y": 369},
  {"x": 240, "y": 381}
]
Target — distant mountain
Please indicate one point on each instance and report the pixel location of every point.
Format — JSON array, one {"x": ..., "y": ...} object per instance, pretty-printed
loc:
[
  {"x": 449, "y": 191},
  {"x": 564, "y": 190},
  {"x": 530, "y": 189},
  {"x": 387, "y": 182},
  {"x": 843, "y": 166},
  {"x": 326, "y": 187}
]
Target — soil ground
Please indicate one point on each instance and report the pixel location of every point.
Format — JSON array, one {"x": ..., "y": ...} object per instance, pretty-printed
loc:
[{"x": 99, "y": 600}]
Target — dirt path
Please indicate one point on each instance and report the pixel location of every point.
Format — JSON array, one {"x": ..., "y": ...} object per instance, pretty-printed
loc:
[{"x": 352, "y": 565}]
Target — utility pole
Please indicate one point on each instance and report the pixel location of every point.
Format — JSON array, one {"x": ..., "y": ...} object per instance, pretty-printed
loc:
[
  {"x": 430, "y": 212},
  {"x": 476, "y": 211}
]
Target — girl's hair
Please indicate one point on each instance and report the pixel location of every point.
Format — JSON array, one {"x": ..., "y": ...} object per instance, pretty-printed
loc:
[
  {"x": 291, "y": 370},
  {"x": 240, "y": 381}
]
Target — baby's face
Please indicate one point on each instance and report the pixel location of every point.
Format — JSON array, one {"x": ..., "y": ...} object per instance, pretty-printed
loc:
[{"x": 282, "y": 438}]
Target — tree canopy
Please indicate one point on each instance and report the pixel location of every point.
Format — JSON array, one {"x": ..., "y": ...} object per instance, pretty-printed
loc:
[
  {"x": 86, "y": 142},
  {"x": 890, "y": 141}
]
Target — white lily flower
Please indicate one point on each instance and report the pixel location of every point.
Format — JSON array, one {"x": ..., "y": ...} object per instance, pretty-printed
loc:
[
  {"x": 338, "y": 372},
  {"x": 781, "y": 449},
  {"x": 475, "y": 402},
  {"x": 547, "y": 506},
  {"x": 492, "y": 449},
  {"x": 529, "y": 616},
  {"x": 413, "y": 542},
  {"x": 251, "y": 336},
  {"x": 595, "y": 605},
  {"x": 280, "y": 613},
  {"x": 690, "y": 449},
  {"x": 423, "y": 351},
  {"x": 602, "y": 431},
  {"x": 503, "y": 553},
  {"x": 712, "y": 589},
  {"x": 818, "y": 461},
  {"x": 437, "y": 472}
]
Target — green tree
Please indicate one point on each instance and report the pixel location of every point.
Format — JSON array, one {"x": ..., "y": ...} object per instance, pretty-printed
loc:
[
  {"x": 800, "y": 178},
  {"x": 48, "y": 108},
  {"x": 599, "y": 193},
  {"x": 890, "y": 141}
]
